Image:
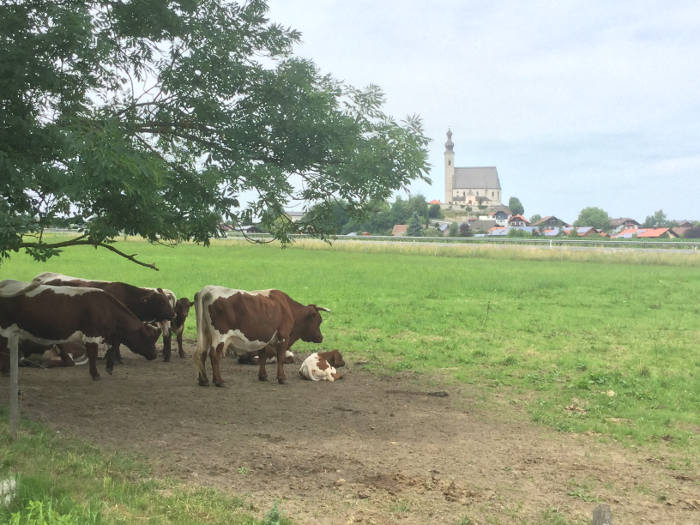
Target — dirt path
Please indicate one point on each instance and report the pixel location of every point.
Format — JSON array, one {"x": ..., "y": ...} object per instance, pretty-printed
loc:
[{"x": 366, "y": 449}]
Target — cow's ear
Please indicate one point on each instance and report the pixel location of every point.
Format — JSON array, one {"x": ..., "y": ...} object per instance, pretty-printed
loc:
[
  {"x": 160, "y": 290},
  {"x": 191, "y": 303},
  {"x": 320, "y": 308}
]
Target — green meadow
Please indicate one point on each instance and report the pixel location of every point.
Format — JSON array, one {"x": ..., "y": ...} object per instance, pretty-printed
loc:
[
  {"x": 584, "y": 341},
  {"x": 610, "y": 346}
]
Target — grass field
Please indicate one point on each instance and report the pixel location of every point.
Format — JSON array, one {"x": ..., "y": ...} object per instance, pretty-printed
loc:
[{"x": 585, "y": 343}]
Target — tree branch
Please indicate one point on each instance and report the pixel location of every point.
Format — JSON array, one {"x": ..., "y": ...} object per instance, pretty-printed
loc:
[{"x": 81, "y": 241}]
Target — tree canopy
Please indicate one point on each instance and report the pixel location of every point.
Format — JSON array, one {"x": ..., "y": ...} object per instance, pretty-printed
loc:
[
  {"x": 658, "y": 220},
  {"x": 595, "y": 217},
  {"x": 160, "y": 119},
  {"x": 515, "y": 206}
]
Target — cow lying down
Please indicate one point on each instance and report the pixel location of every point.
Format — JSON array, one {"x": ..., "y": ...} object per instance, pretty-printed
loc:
[
  {"x": 66, "y": 354},
  {"x": 32, "y": 354},
  {"x": 321, "y": 366}
]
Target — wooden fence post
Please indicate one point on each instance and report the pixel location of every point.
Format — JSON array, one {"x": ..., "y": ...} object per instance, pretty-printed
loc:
[
  {"x": 602, "y": 515},
  {"x": 13, "y": 347}
]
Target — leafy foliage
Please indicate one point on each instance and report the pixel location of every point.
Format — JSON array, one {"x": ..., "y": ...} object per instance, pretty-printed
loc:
[
  {"x": 515, "y": 206},
  {"x": 658, "y": 220},
  {"x": 159, "y": 118},
  {"x": 595, "y": 217},
  {"x": 415, "y": 227}
]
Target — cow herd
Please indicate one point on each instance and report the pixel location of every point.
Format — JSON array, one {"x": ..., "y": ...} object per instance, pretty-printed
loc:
[{"x": 69, "y": 318}]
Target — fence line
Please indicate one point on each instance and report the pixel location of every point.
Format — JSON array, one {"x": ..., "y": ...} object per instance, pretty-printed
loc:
[{"x": 514, "y": 241}]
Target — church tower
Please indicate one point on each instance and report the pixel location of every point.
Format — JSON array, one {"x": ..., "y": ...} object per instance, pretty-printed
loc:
[{"x": 449, "y": 167}]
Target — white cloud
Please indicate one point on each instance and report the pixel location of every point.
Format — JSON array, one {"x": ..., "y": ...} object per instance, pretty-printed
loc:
[{"x": 572, "y": 100}]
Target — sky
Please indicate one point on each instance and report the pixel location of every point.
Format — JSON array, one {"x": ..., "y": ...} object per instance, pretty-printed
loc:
[{"x": 578, "y": 104}]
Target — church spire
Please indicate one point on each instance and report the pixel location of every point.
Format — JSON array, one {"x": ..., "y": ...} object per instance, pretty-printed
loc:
[{"x": 449, "y": 145}]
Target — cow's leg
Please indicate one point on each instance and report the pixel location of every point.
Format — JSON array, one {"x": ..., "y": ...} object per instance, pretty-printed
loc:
[
  {"x": 117, "y": 354},
  {"x": 66, "y": 360},
  {"x": 180, "y": 351},
  {"x": 166, "y": 346},
  {"x": 202, "y": 368},
  {"x": 91, "y": 350},
  {"x": 216, "y": 355},
  {"x": 281, "y": 352},
  {"x": 262, "y": 361},
  {"x": 109, "y": 358}
]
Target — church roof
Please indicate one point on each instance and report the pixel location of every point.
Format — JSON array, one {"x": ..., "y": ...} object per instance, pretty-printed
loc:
[{"x": 467, "y": 178}]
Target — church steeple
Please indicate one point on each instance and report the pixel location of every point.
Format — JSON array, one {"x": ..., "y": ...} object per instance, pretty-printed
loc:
[
  {"x": 449, "y": 145},
  {"x": 449, "y": 167}
]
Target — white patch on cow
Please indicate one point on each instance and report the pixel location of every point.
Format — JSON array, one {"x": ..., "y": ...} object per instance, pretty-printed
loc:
[
  {"x": 239, "y": 342},
  {"x": 309, "y": 370},
  {"x": 62, "y": 290},
  {"x": 50, "y": 276},
  {"x": 11, "y": 288}
]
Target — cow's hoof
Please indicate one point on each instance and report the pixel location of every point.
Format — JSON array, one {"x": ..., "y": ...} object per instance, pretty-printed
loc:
[
  {"x": 109, "y": 370},
  {"x": 166, "y": 359},
  {"x": 262, "y": 378},
  {"x": 220, "y": 384},
  {"x": 203, "y": 383},
  {"x": 281, "y": 381},
  {"x": 96, "y": 378}
]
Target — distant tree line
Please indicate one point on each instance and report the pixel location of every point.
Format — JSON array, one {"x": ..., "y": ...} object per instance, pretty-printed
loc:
[{"x": 380, "y": 218}]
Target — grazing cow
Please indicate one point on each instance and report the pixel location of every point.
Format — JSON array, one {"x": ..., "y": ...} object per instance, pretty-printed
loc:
[
  {"x": 181, "y": 308},
  {"x": 60, "y": 314},
  {"x": 149, "y": 305},
  {"x": 247, "y": 322},
  {"x": 321, "y": 366}
]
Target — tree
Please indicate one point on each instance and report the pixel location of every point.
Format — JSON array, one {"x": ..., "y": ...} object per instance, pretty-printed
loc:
[
  {"x": 160, "y": 118},
  {"x": 453, "y": 230},
  {"x": 595, "y": 217},
  {"x": 536, "y": 217},
  {"x": 415, "y": 226},
  {"x": 657, "y": 220},
  {"x": 516, "y": 208},
  {"x": 435, "y": 212}
]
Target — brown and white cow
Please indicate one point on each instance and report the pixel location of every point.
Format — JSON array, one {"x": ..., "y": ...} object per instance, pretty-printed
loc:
[
  {"x": 148, "y": 304},
  {"x": 321, "y": 366},
  {"x": 249, "y": 321},
  {"x": 59, "y": 314}
]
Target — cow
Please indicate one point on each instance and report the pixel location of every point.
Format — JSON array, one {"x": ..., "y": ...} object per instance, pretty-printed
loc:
[
  {"x": 182, "y": 309},
  {"x": 321, "y": 366},
  {"x": 149, "y": 305},
  {"x": 66, "y": 354},
  {"x": 60, "y": 314},
  {"x": 248, "y": 321}
]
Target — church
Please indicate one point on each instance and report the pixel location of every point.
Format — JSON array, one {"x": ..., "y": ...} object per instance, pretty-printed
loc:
[{"x": 469, "y": 186}]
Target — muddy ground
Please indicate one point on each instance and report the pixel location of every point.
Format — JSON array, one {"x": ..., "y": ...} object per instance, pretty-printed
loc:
[{"x": 367, "y": 449}]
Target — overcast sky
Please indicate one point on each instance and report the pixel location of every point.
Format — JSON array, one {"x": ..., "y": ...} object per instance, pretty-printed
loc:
[{"x": 577, "y": 103}]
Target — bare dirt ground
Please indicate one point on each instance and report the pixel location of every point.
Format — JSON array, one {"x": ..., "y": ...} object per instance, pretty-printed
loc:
[{"x": 366, "y": 449}]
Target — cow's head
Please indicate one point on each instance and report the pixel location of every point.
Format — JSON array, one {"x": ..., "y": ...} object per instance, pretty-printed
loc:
[
  {"x": 157, "y": 304},
  {"x": 182, "y": 309},
  {"x": 334, "y": 358},
  {"x": 143, "y": 341},
  {"x": 310, "y": 329}
]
